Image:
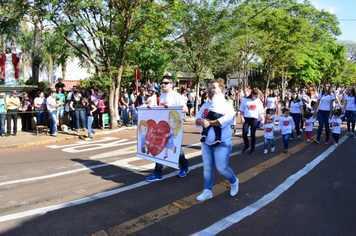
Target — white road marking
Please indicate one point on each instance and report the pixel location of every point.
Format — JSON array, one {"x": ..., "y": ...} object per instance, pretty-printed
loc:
[
  {"x": 124, "y": 163},
  {"x": 96, "y": 146},
  {"x": 77, "y": 143},
  {"x": 251, "y": 209}
]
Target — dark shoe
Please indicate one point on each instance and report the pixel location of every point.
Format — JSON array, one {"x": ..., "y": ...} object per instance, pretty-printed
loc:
[
  {"x": 245, "y": 149},
  {"x": 215, "y": 144},
  {"x": 203, "y": 139},
  {"x": 317, "y": 141},
  {"x": 252, "y": 153},
  {"x": 14, "y": 134},
  {"x": 182, "y": 173}
]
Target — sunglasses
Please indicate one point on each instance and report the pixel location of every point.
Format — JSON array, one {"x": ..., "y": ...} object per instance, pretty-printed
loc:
[{"x": 165, "y": 83}]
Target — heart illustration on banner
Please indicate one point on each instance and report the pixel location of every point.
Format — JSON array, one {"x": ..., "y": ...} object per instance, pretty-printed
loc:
[
  {"x": 306, "y": 123},
  {"x": 286, "y": 122},
  {"x": 335, "y": 124},
  {"x": 252, "y": 107},
  {"x": 157, "y": 136},
  {"x": 268, "y": 129}
]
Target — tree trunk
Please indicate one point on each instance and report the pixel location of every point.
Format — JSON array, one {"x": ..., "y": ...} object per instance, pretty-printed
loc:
[{"x": 64, "y": 68}]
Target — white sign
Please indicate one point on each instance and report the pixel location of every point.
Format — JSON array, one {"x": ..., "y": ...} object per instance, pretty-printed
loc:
[{"x": 159, "y": 134}]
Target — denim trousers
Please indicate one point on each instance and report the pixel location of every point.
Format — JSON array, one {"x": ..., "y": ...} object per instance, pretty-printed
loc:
[
  {"x": 80, "y": 116},
  {"x": 285, "y": 138},
  {"x": 351, "y": 117},
  {"x": 125, "y": 115},
  {"x": 249, "y": 122},
  {"x": 52, "y": 121},
  {"x": 2, "y": 123},
  {"x": 183, "y": 162},
  {"x": 90, "y": 120},
  {"x": 218, "y": 157},
  {"x": 11, "y": 115},
  {"x": 60, "y": 112},
  {"x": 296, "y": 118},
  {"x": 40, "y": 117},
  {"x": 270, "y": 141},
  {"x": 133, "y": 115},
  {"x": 323, "y": 118}
]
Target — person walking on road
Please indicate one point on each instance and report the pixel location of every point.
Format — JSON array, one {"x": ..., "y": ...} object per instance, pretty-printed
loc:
[
  {"x": 219, "y": 155},
  {"x": 324, "y": 109},
  {"x": 251, "y": 109},
  {"x": 168, "y": 98},
  {"x": 90, "y": 109}
]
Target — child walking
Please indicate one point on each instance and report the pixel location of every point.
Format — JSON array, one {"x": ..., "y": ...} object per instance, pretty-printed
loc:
[
  {"x": 309, "y": 121},
  {"x": 336, "y": 126},
  {"x": 269, "y": 127},
  {"x": 286, "y": 125}
]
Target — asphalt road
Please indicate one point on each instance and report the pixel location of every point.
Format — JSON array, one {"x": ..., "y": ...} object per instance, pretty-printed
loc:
[{"x": 98, "y": 187}]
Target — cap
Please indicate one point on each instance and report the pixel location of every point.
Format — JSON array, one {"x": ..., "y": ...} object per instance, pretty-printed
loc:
[
  {"x": 153, "y": 90},
  {"x": 60, "y": 78},
  {"x": 13, "y": 92}
]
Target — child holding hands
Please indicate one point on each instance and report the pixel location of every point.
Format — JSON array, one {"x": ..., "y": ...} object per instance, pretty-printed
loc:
[
  {"x": 309, "y": 121},
  {"x": 269, "y": 127},
  {"x": 336, "y": 126},
  {"x": 286, "y": 125}
]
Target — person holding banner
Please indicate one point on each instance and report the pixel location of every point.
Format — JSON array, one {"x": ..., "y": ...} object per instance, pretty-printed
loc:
[
  {"x": 219, "y": 155},
  {"x": 169, "y": 97}
]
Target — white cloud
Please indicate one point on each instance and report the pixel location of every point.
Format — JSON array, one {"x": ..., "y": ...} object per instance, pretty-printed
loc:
[{"x": 320, "y": 6}]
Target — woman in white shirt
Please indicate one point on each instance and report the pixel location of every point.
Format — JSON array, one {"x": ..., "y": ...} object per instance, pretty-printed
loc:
[
  {"x": 296, "y": 112},
  {"x": 350, "y": 110},
  {"x": 250, "y": 109},
  {"x": 324, "y": 108},
  {"x": 272, "y": 102}
]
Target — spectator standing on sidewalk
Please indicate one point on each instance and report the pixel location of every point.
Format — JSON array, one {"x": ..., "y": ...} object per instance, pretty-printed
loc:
[
  {"x": 52, "y": 112},
  {"x": 125, "y": 100},
  {"x": 77, "y": 105},
  {"x": 40, "y": 108},
  {"x": 26, "y": 113},
  {"x": 72, "y": 116},
  {"x": 13, "y": 104},
  {"x": 90, "y": 109},
  {"x": 95, "y": 97},
  {"x": 169, "y": 97},
  {"x": 60, "y": 97},
  {"x": 2, "y": 114},
  {"x": 132, "y": 105}
]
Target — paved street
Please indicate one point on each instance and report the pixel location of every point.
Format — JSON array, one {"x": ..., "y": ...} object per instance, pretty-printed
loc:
[{"x": 76, "y": 187}]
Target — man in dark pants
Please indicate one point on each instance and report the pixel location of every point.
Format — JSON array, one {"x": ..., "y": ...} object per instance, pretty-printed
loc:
[{"x": 12, "y": 103}]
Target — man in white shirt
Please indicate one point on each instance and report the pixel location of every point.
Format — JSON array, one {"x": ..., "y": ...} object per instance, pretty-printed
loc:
[
  {"x": 52, "y": 112},
  {"x": 169, "y": 97}
]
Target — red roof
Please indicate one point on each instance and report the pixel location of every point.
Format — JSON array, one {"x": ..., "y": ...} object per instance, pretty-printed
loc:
[{"x": 69, "y": 84}]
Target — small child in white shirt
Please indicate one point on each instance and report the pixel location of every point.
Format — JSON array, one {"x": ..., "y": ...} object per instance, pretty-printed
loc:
[
  {"x": 269, "y": 128},
  {"x": 309, "y": 121},
  {"x": 286, "y": 125},
  {"x": 336, "y": 122}
]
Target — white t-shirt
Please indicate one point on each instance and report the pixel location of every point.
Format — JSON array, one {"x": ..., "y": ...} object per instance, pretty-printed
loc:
[
  {"x": 271, "y": 102},
  {"x": 216, "y": 102},
  {"x": 286, "y": 124},
  {"x": 325, "y": 101},
  {"x": 50, "y": 100},
  {"x": 172, "y": 98},
  {"x": 152, "y": 100},
  {"x": 251, "y": 108},
  {"x": 306, "y": 99},
  {"x": 225, "y": 121},
  {"x": 336, "y": 124},
  {"x": 40, "y": 102},
  {"x": 295, "y": 107},
  {"x": 309, "y": 123},
  {"x": 268, "y": 130},
  {"x": 351, "y": 106}
]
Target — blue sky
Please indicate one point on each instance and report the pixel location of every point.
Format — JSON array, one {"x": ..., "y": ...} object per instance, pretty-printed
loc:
[{"x": 343, "y": 9}]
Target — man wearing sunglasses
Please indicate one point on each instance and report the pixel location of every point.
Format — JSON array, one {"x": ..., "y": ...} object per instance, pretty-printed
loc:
[{"x": 169, "y": 97}]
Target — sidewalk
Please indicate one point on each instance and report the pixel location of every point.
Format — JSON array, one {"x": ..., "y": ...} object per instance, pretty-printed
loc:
[{"x": 30, "y": 138}]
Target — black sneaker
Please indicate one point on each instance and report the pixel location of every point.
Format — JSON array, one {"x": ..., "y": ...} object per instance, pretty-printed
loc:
[
  {"x": 14, "y": 134},
  {"x": 215, "y": 144},
  {"x": 202, "y": 139},
  {"x": 245, "y": 149},
  {"x": 252, "y": 153}
]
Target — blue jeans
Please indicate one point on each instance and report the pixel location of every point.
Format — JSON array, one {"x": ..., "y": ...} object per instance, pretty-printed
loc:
[
  {"x": 296, "y": 118},
  {"x": 52, "y": 121},
  {"x": 2, "y": 123},
  {"x": 285, "y": 138},
  {"x": 218, "y": 157},
  {"x": 60, "y": 112},
  {"x": 351, "y": 117},
  {"x": 183, "y": 162},
  {"x": 125, "y": 115},
  {"x": 90, "y": 120},
  {"x": 80, "y": 116},
  {"x": 133, "y": 115},
  {"x": 270, "y": 141},
  {"x": 40, "y": 117},
  {"x": 323, "y": 118}
]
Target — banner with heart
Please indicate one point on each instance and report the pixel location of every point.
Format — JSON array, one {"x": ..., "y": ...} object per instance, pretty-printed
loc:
[{"x": 159, "y": 134}]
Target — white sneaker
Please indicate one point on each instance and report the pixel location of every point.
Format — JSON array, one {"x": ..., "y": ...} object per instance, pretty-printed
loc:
[
  {"x": 272, "y": 149},
  {"x": 205, "y": 195},
  {"x": 93, "y": 136},
  {"x": 234, "y": 188},
  {"x": 308, "y": 140},
  {"x": 87, "y": 139},
  {"x": 265, "y": 151}
]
